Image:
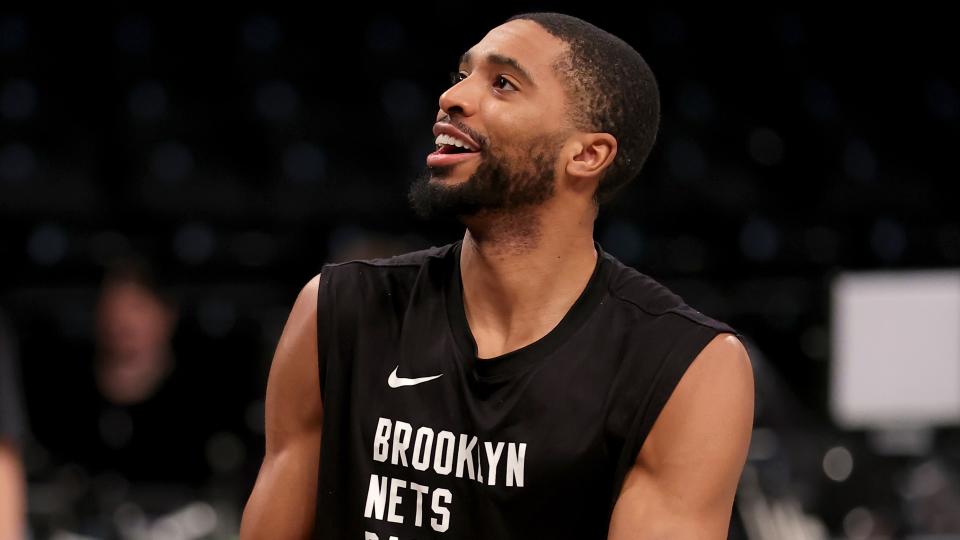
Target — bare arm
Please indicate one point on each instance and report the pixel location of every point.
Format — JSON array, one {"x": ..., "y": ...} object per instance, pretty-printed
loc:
[
  {"x": 12, "y": 492},
  {"x": 685, "y": 477},
  {"x": 283, "y": 501}
]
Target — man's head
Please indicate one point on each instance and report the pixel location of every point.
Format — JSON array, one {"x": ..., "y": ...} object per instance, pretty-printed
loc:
[
  {"x": 134, "y": 318},
  {"x": 545, "y": 104}
]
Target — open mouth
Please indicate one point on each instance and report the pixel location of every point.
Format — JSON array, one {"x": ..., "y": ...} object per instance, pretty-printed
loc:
[
  {"x": 449, "y": 154},
  {"x": 452, "y": 149}
]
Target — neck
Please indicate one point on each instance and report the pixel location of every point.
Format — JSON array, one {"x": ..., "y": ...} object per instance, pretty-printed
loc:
[{"x": 521, "y": 276}]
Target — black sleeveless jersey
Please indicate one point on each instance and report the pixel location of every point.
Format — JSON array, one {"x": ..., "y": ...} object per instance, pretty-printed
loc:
[{"x": 421, "y": 439}]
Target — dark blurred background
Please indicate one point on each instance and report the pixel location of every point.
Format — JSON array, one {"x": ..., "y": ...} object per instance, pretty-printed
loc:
[{"x": 204, "y": 164}]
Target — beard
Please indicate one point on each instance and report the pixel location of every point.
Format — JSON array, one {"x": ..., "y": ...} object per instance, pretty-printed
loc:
[{"x": 498, "y": 185}]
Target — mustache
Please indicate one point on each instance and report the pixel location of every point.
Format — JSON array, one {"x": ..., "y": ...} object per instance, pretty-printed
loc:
[{"x": 478, "y": 138}]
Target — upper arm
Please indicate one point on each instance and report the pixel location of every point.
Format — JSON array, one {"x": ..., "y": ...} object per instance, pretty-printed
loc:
[
  {"x": 293, "y": 405},
  {"x": 283, "y": 499},
  {"x": 683, "y": 482}
]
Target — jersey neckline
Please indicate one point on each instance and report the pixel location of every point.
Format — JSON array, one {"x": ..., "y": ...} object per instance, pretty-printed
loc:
[{"x": 519, "y": 360}]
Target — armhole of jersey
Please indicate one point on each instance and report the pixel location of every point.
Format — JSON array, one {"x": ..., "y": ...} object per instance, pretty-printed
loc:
[
  {"x": 680, "y": 357},
  {"x": 325, "y": 302}
]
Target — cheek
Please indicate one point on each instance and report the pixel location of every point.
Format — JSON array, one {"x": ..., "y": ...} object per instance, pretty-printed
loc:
[
  {"x": 515, "y": 119},
  {"x": 513, "y": 140}
]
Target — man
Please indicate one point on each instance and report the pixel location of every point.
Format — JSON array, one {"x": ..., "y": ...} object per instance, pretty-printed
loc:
[{"x": 521, "y": 382}]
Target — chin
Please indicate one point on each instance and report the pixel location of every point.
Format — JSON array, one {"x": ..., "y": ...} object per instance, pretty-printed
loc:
[
  {"x": 463, "y": 169},
  {"x": 447, "y": 177}
]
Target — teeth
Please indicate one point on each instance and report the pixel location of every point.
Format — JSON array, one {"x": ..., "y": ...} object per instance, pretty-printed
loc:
[{"x": 444, "y": 139}]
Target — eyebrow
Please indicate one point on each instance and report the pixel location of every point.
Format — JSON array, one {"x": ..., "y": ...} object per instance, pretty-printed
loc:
[{"x": 501, "y": 60}]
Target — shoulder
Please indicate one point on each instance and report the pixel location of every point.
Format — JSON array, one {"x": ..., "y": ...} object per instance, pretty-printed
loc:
[
  {"x": 633, "y": 287},
  {"x": 301, "y": 322},
  {"x": 403, "y": 260},
  {"x": 393, "y": 273},
  {"x": 711, "y": 406},
  {"x": 654, "y": 301},
  {"x": 684, "y": 478},
  {"x": 351, "y": 291},
  {"x": 367, "y": 278},
  {"x": 725, "y": 362}
]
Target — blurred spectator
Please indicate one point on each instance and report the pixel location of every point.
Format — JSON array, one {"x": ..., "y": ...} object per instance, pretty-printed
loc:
[
  {"x": 12, "y": 490},
  {"x": 143, "y": 414},
  {"x": 135, "y": 324},
  {"x": 149, "y": 415}
]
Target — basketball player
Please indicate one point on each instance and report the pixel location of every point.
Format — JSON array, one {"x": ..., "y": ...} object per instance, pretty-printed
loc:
[{"x": 520, "y": 383}]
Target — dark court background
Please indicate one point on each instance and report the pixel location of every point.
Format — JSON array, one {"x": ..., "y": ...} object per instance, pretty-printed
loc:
[{"x": 231, "y": 152}]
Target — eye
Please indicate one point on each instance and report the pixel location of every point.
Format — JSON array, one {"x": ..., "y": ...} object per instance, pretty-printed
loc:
[
  {"x": 501, "y": 79},
  {"x": 457, "y": 76}
]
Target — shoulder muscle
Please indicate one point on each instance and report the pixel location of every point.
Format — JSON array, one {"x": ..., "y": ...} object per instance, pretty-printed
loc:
[{"x": 686, "y": 474}]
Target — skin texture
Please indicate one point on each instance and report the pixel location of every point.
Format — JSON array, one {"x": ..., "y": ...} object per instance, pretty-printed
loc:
[
  {"x": 522, "y": 267},
  {"x": 685, "y": 477},
  {"x": 12, "y": 492}
]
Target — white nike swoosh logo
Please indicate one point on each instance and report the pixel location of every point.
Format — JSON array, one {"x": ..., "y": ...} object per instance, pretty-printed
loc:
[{"x": 396, "y": 382}]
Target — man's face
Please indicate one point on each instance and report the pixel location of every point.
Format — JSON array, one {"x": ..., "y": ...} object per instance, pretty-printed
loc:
[
  {"x": 507, "y": 106},
  {"x": 132, "y": 322}
]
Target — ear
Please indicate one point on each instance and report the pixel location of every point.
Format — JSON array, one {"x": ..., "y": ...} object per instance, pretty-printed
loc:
[{"x": 594, "y": 153}]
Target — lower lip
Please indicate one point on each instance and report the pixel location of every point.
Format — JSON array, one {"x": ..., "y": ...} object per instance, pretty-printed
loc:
[{"x": 437, "y": 159}]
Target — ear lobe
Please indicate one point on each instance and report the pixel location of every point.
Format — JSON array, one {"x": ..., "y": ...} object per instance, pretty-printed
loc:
[{"x": 596, "y": 154}]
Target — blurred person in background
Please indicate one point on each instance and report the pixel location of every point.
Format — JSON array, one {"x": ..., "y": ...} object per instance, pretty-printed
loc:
[
  {"x": 135, "y": 324},
  {"x": 147, "y": 412},
  {"x": 135, "y": 407},
  {"x": 12, "y": 425},
  {"x": 149, "y": 405}
]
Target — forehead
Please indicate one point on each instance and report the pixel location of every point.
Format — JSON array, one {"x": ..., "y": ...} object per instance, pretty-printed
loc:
[{"x": 524, "y": 41}]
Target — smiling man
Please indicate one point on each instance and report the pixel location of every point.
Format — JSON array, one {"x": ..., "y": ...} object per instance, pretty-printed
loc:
[{"x": 520, "y": 382}]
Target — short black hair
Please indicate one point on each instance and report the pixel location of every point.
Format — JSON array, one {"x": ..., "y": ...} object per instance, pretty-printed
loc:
[{"x": 611, "y": 89}]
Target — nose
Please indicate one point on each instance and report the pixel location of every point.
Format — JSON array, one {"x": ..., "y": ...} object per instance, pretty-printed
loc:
[{"x": 459, "y": 99}]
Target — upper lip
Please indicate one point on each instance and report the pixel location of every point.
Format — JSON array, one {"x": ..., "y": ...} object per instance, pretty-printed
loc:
[{"x": 448, "y": 129}]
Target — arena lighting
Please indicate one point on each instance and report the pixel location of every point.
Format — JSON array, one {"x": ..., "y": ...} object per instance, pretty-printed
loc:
[
  {"x": 765, "y": 146},
  {"x": 134, "y": 35},
  {"x": 759, "y": 239},
  {"x": 261, "y": 33},
  {"x": 686, "y": 159},
  {"x": 171, "y": 161},
  {"x": 820, "y": 100},
  {"x": 18, "y": 99},
  {"x": 696, "y": 102},
  {"x": 194, "y": 243},
  {"x": 147, "y": 100},
  {"x": 385, "y": 35},
  {"x": 943, "y": 100},
  {"x": 304, "y": 162},
  {"x": 277, "y": 100},
  {"x": 403, "y": 101},
  {"x": 895, "y": 354},
  {"x": 13, "y": 33},
  {"x": 859, "y": 160},
  {"x": 18, "y": 163},
  {"x": 47, "y": 244}
]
